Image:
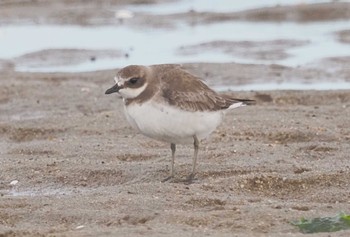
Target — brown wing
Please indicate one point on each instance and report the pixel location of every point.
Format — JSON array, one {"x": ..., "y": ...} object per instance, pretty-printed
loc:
[{"x": 182, "y": 89}]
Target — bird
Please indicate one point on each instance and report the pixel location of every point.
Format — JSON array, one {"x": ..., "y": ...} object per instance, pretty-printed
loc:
[{"x": 167, "y": 103}]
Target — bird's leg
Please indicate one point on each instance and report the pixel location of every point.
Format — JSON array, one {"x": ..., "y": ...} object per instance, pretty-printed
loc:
[
  {"x": 196, "y": 146},
  {"x": 173, "y": 149}
]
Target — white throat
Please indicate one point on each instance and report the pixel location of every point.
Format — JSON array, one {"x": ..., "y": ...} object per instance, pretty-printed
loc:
[{"x": 130, "y": 93}]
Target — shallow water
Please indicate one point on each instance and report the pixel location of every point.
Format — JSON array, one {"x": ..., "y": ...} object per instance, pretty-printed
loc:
[
  {"x": 154, "y": 46},
  {"x": 132, "y": 41},
  {"x": 215, "y": 5}
]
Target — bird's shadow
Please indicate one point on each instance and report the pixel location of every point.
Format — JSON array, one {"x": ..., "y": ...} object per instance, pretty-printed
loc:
[{"x": 187, "y": 180}]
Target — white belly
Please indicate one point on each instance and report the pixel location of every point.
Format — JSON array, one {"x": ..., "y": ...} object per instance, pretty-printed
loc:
[{"x": 167, "y": 123}]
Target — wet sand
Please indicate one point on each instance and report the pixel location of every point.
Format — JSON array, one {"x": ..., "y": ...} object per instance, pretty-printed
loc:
[
  {"x": 78, "y": 163},
  {"x": 83, "y": 171}
]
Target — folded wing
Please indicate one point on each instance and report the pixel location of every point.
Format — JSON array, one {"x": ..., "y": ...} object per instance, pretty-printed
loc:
[{"x": 191, "y": 94}]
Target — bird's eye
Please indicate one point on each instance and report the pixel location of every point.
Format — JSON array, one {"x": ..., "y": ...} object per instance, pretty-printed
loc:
[{"x": 133, "y": 80}]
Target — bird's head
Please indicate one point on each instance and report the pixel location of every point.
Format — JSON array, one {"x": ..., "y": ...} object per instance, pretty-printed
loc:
[{"x": 130, "y": 81}]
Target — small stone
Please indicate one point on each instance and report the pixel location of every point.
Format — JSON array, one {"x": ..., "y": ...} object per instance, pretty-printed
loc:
[
  {"x": 14, "y": 182},
  {"x": 85, "y": 89},
  {"x": 123, "y": 14}
]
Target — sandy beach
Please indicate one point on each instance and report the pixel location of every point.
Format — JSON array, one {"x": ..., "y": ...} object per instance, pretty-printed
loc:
[{"x": 71, "y": 165}]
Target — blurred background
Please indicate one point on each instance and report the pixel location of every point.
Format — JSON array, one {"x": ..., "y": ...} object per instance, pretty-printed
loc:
[{"x": 83, "y": 35}]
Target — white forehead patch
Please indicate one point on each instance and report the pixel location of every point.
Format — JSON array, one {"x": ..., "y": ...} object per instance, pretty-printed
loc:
[
  {"x": 119, "y": 81},
  {"x": 130, "y": 93}
]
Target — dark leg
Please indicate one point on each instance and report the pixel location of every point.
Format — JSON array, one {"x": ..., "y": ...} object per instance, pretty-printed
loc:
[
  {"x": 173, "y": 149},
  {"x": 196, "y": 146}
]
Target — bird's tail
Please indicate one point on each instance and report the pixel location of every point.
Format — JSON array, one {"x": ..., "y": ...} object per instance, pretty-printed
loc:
[
  {"x": 245, "y": 101},
  {"x": 235, "y": 103}
]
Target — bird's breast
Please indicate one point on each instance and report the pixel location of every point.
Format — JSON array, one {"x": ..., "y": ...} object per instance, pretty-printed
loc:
[{"x": 168, "y": 123}]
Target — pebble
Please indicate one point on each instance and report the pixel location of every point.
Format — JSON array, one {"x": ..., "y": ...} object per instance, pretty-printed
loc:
[
  {"x": 85, "y": 89},
  {"x": 123, "y": 14},
  {"x": 14, "y": 182}
]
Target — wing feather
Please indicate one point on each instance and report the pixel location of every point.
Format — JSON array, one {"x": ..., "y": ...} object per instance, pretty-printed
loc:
[{"x": 182, "y": 89}]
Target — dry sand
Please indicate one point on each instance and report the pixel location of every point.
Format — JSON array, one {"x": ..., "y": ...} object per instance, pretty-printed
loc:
[{"x": 82, "y": 170}]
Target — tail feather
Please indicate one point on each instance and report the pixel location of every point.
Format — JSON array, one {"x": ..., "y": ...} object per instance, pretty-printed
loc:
[
  {"x": 244, "y": 101},
  {"x": 235, "y": 103}
]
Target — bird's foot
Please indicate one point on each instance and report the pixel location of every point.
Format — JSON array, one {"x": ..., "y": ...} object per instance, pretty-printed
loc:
[
  {"x": 190, "y": 179},
  {"x": 168, "y": 179}
]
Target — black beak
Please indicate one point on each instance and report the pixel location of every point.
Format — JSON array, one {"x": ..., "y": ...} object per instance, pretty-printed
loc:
[{"x": 113, "y": 89}]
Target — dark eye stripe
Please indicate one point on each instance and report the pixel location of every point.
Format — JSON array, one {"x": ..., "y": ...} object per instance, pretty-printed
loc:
[{"x": 133, "y": 80}]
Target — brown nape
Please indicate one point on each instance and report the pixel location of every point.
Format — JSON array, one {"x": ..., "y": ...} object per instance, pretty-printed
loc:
[
  {"x": 151, "y": 75},
  {"x": 146, "y": 76}
]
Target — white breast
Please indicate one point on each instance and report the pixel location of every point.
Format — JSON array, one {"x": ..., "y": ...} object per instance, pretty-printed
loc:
[{"x": 170, "y": 124}]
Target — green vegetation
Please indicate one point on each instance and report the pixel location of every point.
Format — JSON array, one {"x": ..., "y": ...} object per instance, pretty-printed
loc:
[{"x": 324, "y": 224}]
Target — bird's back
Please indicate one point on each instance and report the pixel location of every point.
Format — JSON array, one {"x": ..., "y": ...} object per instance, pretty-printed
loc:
[{"x": 181, "y": 89}]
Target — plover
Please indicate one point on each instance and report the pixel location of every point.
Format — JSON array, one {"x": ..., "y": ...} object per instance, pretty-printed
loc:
[{"x": 167, "y": 103}]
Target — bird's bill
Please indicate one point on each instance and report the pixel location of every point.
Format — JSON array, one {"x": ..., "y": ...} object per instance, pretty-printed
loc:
[{"x": 113, "y": 89}]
